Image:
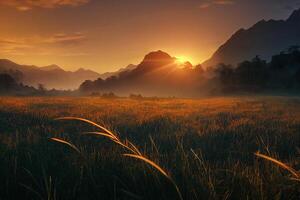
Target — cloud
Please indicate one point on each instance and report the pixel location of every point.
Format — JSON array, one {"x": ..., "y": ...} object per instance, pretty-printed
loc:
[
  {"x": 211, "y": 3},
  {"x": 8, "y": 42},
  {"x": 66, "y": 39},
  {"x": 38, "y": 45},
  {"x": 13, "y": 47},
  {"x": 25, "y": 5},
  {"x": 205, "y": 5},
  {"x": 223, "y": 2}
]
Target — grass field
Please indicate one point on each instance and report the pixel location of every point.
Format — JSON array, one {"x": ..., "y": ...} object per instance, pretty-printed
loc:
[{"x": 207, "y": 146}]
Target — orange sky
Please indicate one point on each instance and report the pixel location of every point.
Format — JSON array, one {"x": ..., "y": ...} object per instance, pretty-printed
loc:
[{"x": 104, "y": 35}]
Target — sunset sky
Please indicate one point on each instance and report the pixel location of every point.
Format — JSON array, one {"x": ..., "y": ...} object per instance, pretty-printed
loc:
[{"x": 104, "y": 35}]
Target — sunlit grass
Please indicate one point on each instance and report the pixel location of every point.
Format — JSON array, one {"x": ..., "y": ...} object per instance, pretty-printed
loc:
[
  {"x": 295, "y": 174},
  {"x": 205, "y": 145},
  {"x": 135, "y": 152}
]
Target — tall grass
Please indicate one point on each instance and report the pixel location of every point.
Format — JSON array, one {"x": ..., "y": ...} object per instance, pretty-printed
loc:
[
  {"x": 294, "y": 173},
  {"x": 206, "y": 146},
  {"x": 135, "y": 152}
]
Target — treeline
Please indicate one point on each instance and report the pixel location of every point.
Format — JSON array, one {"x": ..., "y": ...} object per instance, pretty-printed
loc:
[
  {"x": 9, "y": 86},
  {"x": 282, "y": 73}
]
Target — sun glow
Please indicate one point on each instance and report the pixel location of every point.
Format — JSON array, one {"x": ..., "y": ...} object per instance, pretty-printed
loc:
[{"x": 181, "y": 59}]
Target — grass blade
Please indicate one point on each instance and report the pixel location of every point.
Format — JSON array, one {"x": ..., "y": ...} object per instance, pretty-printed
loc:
[
  {"x": 135, "y": 148},
  {"x": 146, "y": 160},
  {"x": 280, "y": 164},
  {"x": 99, "y": 134},
  {"x": 66, "y": 143},
  {"x": 153, "y": 164},
  {"x": 89, "y": 122}
]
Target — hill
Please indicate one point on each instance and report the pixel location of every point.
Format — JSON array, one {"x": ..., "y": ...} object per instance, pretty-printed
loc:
[
  {"x": 157, "y": 74},
  {"x": 265, "y": 38}
]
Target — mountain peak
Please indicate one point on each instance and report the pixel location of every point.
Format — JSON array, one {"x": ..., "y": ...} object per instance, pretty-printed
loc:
[
  {"x": 51, "y": 67},
  {"x": 86, "y": 71},
  {"x": 295, "y": 16},
  {"x": 157, "y": 56},
  {"x": 154, "y": 60},
  {"x": 81, "y": 70}
]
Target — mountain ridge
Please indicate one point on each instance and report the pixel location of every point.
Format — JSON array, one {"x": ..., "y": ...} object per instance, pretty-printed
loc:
[
  {"x": 52, "y": 76},
  {"x": 116, "y": 73},
  {"x": 264, "y": 38}
]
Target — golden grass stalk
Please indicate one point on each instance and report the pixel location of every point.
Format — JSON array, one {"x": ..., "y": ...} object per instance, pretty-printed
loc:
[
  {"x": 280, "y": 164},
  {"x": 114, "y": 139},
  {"x": 135, "y": 148},
  {"x": 125, "y": 146},
  {"x": 89, "y": 122},
  {"x": 153, "y": 164},
  {"x": 107, "y": 133},
  {"x": 99, "y": 134},
  {"x": 66, "y": 143},
  {"x": 157, "y": 167},
  {"x": 135, "y": 152}
]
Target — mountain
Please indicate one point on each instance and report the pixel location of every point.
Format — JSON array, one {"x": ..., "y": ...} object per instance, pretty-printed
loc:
[
  {"x": 158, "y": 74},
  {"x": 265, "y": 38},
  {"x": 51, "y": 76},
  {"x": 116, "y": 73},
  {"x": 51, "y": 67}
]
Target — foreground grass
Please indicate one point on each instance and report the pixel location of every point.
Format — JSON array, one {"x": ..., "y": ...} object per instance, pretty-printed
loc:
[{"x": 207, "y": 146}]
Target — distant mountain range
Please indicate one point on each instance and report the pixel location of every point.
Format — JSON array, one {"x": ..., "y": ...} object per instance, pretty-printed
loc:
[
  {"x": 265, "y": 38},
  {"x": 158, "y": 74},
  {"x": 51, "y": 76},
  {"x": 116, "y": 73}
]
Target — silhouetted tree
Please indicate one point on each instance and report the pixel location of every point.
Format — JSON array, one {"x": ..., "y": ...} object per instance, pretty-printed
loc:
[
  {"x": 225, "y": 73},
  {"x": 15, "y": 74},
  {"x": 294, "y": 48},
  {"x": 7, "y": 83},
  {"x": 252, "y": 74},
  {"x": 41, "y": 89},
  {"x": 109, "y": 95},
  {"x": 283, "y": 68}
]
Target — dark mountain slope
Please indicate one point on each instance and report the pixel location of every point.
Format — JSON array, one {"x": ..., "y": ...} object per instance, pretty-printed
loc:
[{"x": 265, "y": 38}]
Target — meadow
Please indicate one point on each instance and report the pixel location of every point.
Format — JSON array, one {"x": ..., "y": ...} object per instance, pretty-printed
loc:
[{"x": 205, "y": 145}]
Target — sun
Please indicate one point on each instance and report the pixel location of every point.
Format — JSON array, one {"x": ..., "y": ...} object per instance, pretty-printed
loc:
[{"x": 181, "y": 59}]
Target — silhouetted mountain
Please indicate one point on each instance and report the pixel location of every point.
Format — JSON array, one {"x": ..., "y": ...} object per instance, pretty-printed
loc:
[
  {"x": 265, "y": 38},
  {"x": 158, "y": 74},
  {"x": 116, "y": 73},
  {"x": 51, "y": 76}
]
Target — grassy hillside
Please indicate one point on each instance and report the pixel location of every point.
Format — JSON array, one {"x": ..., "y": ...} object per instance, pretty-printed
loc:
[{"x": 207, "y": 146}]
